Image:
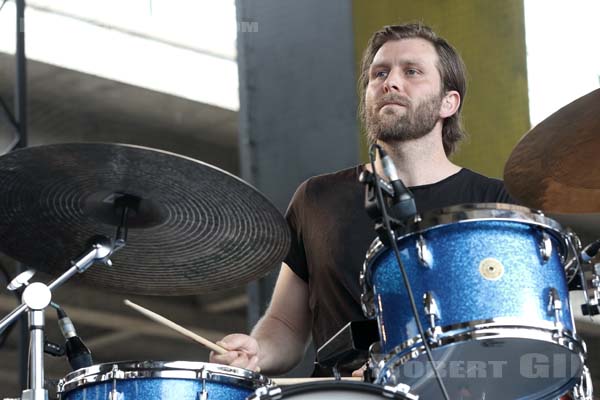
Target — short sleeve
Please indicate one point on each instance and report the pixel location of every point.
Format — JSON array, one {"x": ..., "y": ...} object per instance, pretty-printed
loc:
[{"x": 296, "y": 219}]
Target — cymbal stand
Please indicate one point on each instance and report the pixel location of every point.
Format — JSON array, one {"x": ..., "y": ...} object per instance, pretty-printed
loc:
[{"x": 36, "y": 297}]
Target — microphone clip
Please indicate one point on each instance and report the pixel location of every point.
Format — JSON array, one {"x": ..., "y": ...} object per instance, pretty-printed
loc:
[{"x": 398, "y": 201}]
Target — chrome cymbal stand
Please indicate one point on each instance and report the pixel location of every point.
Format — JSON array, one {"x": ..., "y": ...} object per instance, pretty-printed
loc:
[{"x": 36, "y": 297}]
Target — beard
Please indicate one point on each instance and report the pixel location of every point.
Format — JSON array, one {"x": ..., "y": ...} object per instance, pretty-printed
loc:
[{"x": 389, "y": 126}]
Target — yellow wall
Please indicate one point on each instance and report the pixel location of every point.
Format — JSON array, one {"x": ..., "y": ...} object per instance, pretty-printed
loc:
[{"x": 490, "y": 36}]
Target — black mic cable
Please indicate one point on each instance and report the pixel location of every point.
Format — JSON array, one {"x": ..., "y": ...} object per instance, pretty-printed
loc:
[
  {"x": 392, "y": 241},
  {"x": 78, "y": 354}
]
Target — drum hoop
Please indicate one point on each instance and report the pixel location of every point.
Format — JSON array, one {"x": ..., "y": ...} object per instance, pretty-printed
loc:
[
  {"x": 502, "y": 328},
  {"x": 162, "y": 369},
  {"x": 386, "y": 391}
]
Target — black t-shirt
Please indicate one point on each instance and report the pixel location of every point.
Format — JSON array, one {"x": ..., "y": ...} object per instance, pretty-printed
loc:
[{"x": 331, "y": 233}]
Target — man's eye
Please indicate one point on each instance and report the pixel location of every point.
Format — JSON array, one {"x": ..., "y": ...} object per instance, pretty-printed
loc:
[
  {"x": 381, "y": 74},
  {"x": 412, "y": 71}
]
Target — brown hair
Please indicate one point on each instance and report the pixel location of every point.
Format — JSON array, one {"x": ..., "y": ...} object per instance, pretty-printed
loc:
[{"x": 450, "y": 66}]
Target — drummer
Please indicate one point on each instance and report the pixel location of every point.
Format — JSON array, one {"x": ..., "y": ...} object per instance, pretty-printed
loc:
[{"x": 412, "y": 85}]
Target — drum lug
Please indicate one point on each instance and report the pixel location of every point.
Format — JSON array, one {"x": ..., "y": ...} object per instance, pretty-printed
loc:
[
  {"x": 115, "y": 374},
  {"x": 400, "y": 389},
  {"x": 425, "y": 257},
  {"x": 555, "y": 308},
  {"x": 545, "y": 247},
  {"x": 433, "y": 312},
  {"x": 266, "y": 393},
  {"x": 203, "y": 394}
]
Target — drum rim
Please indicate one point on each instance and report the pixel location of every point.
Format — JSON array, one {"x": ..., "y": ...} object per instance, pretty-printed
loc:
[
  {"x": 281, "y": 391},
  {"x": 505, "y": 328},
  {"x": 487, "y": 329},
  {"x": 126, "y": 370},
  {"x": 476, "y": 211}
]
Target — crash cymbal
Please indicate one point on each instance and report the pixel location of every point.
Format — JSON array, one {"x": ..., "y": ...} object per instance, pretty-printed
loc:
[
  {"x": 556, "y": 165},
  {"x": 197, "y": 228}
]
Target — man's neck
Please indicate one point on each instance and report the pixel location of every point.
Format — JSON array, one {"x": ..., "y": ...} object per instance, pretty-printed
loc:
[{"x": 419, "y": 162}]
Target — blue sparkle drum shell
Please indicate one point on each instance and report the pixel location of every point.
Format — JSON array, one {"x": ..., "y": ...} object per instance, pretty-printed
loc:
[
  {"x": 493, "y": 280},
  {"x": 176, "y": 380}
]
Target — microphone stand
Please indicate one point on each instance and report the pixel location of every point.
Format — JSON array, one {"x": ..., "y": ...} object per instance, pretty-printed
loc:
[{"x": 36, "y": 297}]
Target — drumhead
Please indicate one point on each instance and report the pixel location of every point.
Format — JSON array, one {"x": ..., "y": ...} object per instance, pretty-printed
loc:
[
  {"x": 331, "y": 390},
  {"x": 162, "y": 369}
]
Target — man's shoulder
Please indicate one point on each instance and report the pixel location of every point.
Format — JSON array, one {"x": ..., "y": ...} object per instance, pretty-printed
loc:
[
  {"x": 478, "y": 178},
  {"x": 322, "y": 186},
  {"x": 346, "y": 175}
]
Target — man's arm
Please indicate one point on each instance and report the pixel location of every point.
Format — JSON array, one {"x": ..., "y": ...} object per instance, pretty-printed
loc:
[{"x": 279, "y": 339}]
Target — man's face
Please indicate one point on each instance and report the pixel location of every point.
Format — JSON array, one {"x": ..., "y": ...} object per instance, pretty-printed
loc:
[{"x": 403, "y": 96}]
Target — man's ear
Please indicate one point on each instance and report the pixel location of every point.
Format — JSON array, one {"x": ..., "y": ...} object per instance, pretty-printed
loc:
[{"x": 450, "y": 104}]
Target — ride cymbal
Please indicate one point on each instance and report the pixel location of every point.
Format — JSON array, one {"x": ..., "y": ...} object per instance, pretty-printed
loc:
[
  {"x": 196, "y": 228},
  {"x": 555, "y": 167}
]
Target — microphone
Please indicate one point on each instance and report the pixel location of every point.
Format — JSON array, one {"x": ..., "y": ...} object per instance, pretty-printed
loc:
[
  {"x": 78, "y": 354},
  {"x": 403, "y": 201}
]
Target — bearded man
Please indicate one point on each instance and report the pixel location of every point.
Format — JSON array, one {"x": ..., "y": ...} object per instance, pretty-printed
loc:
[{"x": 412, "y": 86}]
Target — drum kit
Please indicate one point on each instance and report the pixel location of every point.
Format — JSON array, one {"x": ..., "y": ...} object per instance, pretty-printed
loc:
[{"x": 491, "y": 281}]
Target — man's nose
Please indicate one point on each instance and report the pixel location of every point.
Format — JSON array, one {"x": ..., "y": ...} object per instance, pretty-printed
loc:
[{"x": 393, "y": 83}]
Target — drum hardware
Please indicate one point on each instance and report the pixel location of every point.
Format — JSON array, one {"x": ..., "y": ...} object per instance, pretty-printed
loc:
[
  {"x": 113, "y": 375},
  {"x": 555, "y": 308},
  {"x": 334, "y": 389},
  {"x": 545, "y": 247},
  {"x": 36, "y": 297},
  {"x": 349, "y": 347},
  {"x": 591, "y": 285},
  {"x": 423, "y": 253},
  {"x": 432, "y": 311},
  {"x": 584, "y": 390}
]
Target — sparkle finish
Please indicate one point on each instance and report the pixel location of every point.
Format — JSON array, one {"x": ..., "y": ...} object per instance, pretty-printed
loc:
[
  {"x": 458, "y": 286},
  {"x": 164, "y": 380},
  {"x": 159, "y": 388}
]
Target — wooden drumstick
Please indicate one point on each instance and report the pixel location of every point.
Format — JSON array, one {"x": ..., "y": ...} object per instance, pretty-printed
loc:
[{"x": 170, "y": 324}]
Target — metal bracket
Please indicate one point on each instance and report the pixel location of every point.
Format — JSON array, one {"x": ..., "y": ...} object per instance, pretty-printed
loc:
[
  {"x": 425, "y": 257},
  {"x": 433, "y": 312},
  {"x": 115, "y": 374},
  {"x": 402, "y": 389},
  {"x": 545, "y": 246},
  {"x": 555, "y": 308}
]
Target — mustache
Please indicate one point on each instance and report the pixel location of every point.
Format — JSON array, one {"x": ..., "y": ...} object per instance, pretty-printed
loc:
[{"x": 392, "y": 98}]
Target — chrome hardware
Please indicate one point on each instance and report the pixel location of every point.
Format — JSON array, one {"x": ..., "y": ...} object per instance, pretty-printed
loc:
[
  {"x": 591, "y": 288},
  {"x": 545, "y": 247},
  {"x": 203, "y": 374},
  {"x": 21, "y": 280},
  {"x": 555, "y": 308},
  {"x": 115, "y": 374},
  {"x": 584, "y": 390},
  {"x": 433, "y": 312},
  {"x": 266, "y": 393},
  {"x": 401, "y": 388},
  {"x": 425, "y": 257}
]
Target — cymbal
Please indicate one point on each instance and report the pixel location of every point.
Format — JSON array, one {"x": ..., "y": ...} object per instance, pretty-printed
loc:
[
  {"x": 197, "y": 228},
  {"x": 555, "y": 167}
]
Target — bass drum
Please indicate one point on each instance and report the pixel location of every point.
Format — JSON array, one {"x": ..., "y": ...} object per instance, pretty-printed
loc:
[{"x": 330, "y": 390}]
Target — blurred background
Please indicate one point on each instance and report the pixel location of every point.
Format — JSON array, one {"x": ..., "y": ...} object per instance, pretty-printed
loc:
[{"x": 264, "y": 89}]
